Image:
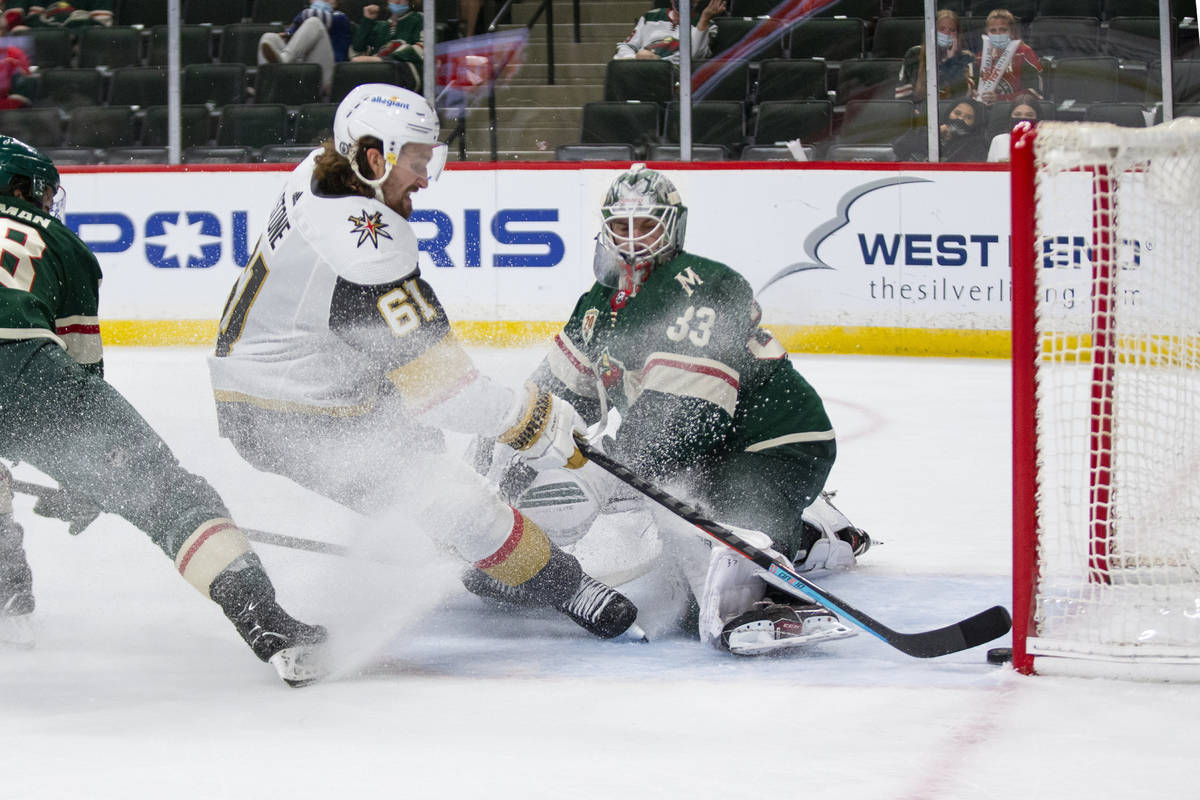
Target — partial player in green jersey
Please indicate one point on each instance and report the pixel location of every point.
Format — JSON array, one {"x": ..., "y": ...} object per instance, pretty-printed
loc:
[
  {"x": 63, "y": 418},
  {"x": 709, "y": 404}
]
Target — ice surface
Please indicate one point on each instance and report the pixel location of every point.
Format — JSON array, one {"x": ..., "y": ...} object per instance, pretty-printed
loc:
[{"x": 138, "y": 688}]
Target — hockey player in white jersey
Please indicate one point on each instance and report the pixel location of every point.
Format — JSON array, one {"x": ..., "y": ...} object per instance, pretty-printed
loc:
[{"x": 336, "y": 366}]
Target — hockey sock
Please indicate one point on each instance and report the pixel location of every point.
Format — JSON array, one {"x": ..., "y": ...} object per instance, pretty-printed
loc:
[{"x": 210, "y": 550}]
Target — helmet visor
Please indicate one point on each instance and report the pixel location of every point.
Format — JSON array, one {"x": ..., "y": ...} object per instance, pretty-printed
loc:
[
  {"x": 424, "y": 160},
  {"x": 48, "y": 194}
]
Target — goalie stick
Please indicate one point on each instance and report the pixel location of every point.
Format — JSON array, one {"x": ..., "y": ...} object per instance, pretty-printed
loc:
[{"x": 963, "y": 635}]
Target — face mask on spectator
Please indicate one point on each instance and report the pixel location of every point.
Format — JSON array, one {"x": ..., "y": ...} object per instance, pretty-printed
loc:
[
  {"x": 999, "y": 39},
  {"x": 958, "y": 126},
  {"x": 397, "y": 8},
  {"x": 944, "y": 40},
  {"x": 321, "y": 5}
]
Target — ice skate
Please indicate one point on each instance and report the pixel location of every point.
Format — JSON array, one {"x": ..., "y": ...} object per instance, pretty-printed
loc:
[
  {"x": 601, "y": 610},
  {"x": 293, "y": 648},
  {"x": 480, "y": 584},
  {"x": 598, "y": 609},
  {"x": 773, "y": 627},
  {"x": 16, "y": 587}
]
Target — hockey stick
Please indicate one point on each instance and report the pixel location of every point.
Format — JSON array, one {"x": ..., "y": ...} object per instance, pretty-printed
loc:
[
  {"x": 963, "y": 635},
  {"x": 85, "y": 515},
  {"x": 80, "y": 522}
]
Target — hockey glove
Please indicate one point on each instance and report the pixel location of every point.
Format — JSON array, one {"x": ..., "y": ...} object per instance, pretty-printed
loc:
[
  {"x": 543, "y": 434},
  {"x": 71, "y": 507}
]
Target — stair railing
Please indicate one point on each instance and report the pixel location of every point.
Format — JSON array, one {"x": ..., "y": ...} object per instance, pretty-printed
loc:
[{"x": 546, "y": 7}]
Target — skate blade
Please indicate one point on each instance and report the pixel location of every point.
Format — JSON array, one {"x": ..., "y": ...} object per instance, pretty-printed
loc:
[
  {"x": 763, "y": 646},
  {"x": 16, "y": 632},
  {"x": 635, "y": 634},
  {"x": 299, "y": 666}
]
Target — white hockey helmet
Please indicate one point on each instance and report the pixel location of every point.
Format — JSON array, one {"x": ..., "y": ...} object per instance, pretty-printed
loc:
[{"x": 394, "y": 116}]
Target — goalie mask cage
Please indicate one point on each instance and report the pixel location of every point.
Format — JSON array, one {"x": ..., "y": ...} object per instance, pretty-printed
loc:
[{"x": 1106, "y": 400}]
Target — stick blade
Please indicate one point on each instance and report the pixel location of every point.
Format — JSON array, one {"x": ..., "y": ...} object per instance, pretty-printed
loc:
[{"x": 970, "y": 632}]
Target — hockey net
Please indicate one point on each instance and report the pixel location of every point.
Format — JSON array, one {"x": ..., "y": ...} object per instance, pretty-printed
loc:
[{"x": 1106, "y": 375}]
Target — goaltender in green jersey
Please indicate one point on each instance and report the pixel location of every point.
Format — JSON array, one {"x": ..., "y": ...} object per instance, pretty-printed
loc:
[{"x": 710, "y": 406}]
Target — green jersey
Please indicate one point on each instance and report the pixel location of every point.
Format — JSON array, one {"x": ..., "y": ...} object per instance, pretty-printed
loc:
[
  {"x": 49, "y": 283},
  {"x": 401, "y": 41},
  {"x": 689, "y": 369}
]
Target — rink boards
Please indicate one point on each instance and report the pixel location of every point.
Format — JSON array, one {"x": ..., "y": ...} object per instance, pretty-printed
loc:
[{"x": 870, "y": 258}]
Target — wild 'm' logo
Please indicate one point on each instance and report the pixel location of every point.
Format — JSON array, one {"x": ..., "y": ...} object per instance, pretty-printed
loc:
[
  {"x": 369, "y": 227},
  {"x": 612, "y": 372}
]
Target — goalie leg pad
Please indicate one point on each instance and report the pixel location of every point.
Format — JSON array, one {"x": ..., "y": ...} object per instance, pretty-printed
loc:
[
  {"x": 828, "y": 540},
  {"x": 774, "y": 627}
]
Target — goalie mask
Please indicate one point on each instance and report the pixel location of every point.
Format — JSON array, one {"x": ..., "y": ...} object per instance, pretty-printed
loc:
[
  {"x": 395, "y": 117},
  {"x": 29, "y": 172},
  {"x": 644, "y": 221}
]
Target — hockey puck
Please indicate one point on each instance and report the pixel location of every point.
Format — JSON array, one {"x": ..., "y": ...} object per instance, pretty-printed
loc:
[{"x": 999, "y": 655}]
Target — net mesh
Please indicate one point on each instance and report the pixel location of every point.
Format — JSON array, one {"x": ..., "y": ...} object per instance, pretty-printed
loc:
[{"x": 1118, "y": 391}]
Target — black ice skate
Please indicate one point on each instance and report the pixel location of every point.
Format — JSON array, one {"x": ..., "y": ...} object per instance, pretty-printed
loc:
[
  {"x": 598, "y": 609},
  {"x": 601, "y": 610},
  {"x": 293, "y": 648},
  {"x": 16, "y": 587},
  {"x": 479, "y": 583}
]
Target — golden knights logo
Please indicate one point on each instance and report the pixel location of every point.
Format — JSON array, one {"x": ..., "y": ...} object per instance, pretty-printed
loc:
[
  {"x": 612, "y": 372},
  {"x": 369, "y": 226},
  {"x": 587, "y": 329}
]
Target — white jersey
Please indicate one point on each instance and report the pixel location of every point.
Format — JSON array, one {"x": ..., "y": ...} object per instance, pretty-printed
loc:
[{"x": 331, "y": 311}]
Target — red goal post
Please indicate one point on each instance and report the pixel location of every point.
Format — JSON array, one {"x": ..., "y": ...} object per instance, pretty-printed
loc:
[{"x": 1106, "y": 399}]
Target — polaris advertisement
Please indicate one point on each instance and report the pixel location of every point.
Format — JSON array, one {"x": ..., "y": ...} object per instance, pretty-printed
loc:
[{"x": 905, "y": 248}]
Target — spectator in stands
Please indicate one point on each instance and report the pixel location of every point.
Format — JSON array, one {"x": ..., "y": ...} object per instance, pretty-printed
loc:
[
  {"x": 468, "y": 11},
  {"x": 1023, "y": 110},
  {"x": 956, "y": 65},
  {"x": 656, "y": 34},
  {"x": 960, "y": 136},
  {"x": 398, "y": 37},
  {"x": 12, "y": 18},
  {"x": 319, "y": 34},
  {"x": 1007, "y": 67},
  {"x": 13, "y": 63},
  {"x": 79, "y": 14}
]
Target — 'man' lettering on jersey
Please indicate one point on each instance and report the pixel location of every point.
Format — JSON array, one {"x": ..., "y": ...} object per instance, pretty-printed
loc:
[
  {"x": 278, "y": 223},
  {"x": 689, "y": 280},
  {"x": 23, "y": 214}
]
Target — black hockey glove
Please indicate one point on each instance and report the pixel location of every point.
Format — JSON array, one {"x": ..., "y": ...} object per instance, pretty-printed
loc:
[{"x": 72, "y": 508}]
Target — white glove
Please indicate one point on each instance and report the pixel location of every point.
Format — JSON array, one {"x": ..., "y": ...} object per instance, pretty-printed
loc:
[{"x": 543, "y": 433}]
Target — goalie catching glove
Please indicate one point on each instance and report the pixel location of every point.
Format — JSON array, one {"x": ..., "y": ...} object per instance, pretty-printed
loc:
[{"x": 541, "y": 429}]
